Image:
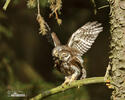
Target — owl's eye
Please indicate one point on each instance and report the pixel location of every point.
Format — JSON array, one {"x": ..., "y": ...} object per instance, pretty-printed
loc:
[
  {"x": 56, "y": 53},
  {"x": 64, "y": 56}
]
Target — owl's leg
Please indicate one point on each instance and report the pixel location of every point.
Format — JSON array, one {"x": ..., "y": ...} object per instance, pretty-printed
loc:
[
  {"x": 83, "y": 69},
  {"x": 76, "y": 73},
  {"x": 80, "y": 59},
  {"x": 67, "y": 80},
  {"x": 83, "y": 74}
]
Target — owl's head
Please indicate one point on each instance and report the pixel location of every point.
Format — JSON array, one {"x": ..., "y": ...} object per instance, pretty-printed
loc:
[{"x": 60, "y": 53}]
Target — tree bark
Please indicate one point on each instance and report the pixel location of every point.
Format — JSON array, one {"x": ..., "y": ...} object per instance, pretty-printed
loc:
[{"x": 116, "y": 69}]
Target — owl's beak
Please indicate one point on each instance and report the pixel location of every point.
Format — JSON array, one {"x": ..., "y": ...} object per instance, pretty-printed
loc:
[{"x": 61, "y": 58}]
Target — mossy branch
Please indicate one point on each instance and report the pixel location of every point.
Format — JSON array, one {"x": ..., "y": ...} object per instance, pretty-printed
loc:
[{"x": 61, "y": 88}]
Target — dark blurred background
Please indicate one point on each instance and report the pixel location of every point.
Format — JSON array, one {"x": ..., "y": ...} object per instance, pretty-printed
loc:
[{"x": 25, "y": 56}]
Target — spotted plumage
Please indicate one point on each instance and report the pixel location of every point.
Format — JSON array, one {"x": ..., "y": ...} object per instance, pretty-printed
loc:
[{"x": 68, "y": 58}]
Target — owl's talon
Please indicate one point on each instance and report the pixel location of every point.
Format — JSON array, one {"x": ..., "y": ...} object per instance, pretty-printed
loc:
[
  {"x": 79, "y": 86},
  {"x": 67, "y": 80},
  {"x": 62, "y": 86},
  {"x": 64, "y": 83},
  {"x": 67, "y": 83}
]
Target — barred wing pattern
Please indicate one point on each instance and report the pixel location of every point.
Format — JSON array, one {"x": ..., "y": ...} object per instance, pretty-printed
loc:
[{"x": 85, "y": 36}]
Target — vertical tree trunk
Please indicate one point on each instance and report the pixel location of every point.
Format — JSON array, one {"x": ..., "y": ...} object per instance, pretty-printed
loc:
[{"x": 116, "y": 68}]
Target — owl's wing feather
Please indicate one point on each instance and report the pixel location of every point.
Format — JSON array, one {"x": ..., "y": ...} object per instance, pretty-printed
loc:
[{"x": 85, "y": 36}]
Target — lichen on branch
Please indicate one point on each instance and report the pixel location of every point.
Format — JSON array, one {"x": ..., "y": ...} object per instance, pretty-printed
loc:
[
  {"x": 31, "y": 3},
  {"x": 43, "y": 25},
  {"x": 55, "y": 6}
]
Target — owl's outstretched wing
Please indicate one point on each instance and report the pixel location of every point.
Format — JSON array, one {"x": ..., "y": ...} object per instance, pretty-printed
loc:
[{"x": 85, "y": 36}]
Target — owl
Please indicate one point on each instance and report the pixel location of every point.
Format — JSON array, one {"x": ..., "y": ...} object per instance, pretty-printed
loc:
[{"x": 68, "y": 58}]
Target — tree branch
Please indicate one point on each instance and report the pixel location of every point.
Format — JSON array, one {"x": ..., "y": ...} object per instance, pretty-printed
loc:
[
  {"x": 6, "y": 4},
  {"x": 116, "y": 68},
  {"x": 61, "y": 88}
]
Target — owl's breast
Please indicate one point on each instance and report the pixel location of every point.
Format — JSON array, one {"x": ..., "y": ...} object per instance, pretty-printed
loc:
[
  {"x": 65, "y": 68},
  {"x": 68, "y": 67}
]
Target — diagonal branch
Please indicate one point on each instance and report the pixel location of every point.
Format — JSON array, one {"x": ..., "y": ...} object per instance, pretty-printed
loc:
[
  {"x": 61, "y": 88},
  {"x": 6, "y": 4}
]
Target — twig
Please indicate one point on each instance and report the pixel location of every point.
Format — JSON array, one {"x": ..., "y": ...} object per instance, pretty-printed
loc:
[
  {"x": 94, "y": 4},
  {"x": 6, "y": 4},
  {"x": 61, "y": 88},
  {"x": 38, "y": 7},
  {"x": 105, "y": 6},
  {"x": 40, "y": 19}
]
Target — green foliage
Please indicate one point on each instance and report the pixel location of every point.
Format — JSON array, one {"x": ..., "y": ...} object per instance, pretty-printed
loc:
[
  {"x": 44, "y": 3},
  {"x": 15, "y": 2},
  {"x": 6, "y": 31}
]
